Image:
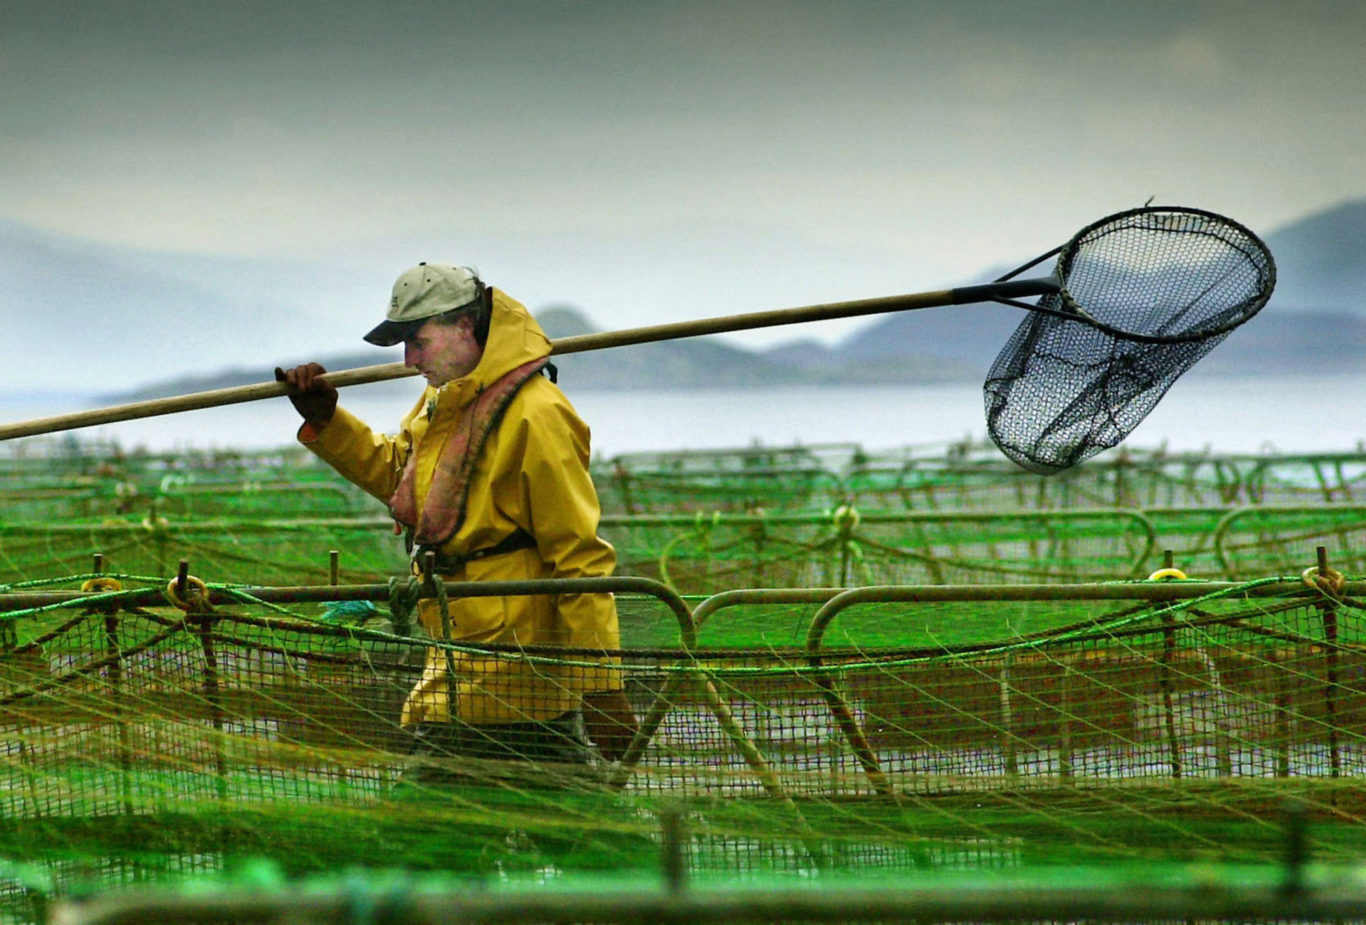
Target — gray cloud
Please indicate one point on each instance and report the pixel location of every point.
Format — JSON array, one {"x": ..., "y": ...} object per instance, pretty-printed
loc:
[{"x": 930, "y": 138}]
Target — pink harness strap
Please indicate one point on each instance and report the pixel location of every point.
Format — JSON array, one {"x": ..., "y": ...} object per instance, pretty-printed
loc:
[{"x": 444, "y": 510}]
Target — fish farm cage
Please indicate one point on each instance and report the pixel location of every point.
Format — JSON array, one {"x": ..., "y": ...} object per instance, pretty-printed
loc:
[
  {"x": 854, "y": 708},
  {"x": 703, "y": 522}
]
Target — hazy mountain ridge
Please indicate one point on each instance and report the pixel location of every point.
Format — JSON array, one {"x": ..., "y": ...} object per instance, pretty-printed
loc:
[
  {"x": 1321, "y": 261},
  {"x": 1314, "y": 322},
  {"x": 118, "y": 308},
  {"x": 185, "y": 304}
]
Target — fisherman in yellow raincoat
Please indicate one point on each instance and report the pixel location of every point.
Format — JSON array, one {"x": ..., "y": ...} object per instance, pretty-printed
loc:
[{"x": 490, "y": 472}]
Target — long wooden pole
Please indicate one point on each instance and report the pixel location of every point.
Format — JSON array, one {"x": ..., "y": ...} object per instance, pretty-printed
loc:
[{"x": 577, "y": 344}]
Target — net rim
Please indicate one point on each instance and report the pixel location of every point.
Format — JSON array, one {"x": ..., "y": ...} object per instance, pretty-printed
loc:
[{"x": 1071, "y": 307}]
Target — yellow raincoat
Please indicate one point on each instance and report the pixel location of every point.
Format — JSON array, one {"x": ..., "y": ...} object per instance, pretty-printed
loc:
[{"x": 532, "y": 474}]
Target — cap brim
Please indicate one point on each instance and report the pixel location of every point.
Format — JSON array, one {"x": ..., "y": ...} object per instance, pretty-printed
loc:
[{"x": 389, "y": 333}]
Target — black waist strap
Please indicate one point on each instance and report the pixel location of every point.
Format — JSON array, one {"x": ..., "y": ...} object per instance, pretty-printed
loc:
[{"x": 448, "y": 562}]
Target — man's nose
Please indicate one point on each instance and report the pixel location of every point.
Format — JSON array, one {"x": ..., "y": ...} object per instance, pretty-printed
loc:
[{"x": 409, "y": 355}]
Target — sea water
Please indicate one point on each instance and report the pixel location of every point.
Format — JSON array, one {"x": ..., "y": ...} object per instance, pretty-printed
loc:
[{"x": 1304, "y": 414}]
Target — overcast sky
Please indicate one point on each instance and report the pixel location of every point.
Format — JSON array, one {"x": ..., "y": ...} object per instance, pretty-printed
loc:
[{"x": 652, "y": 161}]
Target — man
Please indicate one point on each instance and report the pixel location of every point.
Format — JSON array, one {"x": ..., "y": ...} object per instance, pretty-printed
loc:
[{"x": 490, "y": 472}]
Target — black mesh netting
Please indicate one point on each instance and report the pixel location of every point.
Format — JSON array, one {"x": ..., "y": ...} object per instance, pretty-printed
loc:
[{"x": 1156, "y": 289}]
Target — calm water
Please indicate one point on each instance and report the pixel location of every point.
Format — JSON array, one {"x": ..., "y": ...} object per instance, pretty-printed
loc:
[{"x": 1302, "y": 414}]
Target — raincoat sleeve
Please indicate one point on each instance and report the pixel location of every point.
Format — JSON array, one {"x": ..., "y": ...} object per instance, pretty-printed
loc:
[{"x": 363, "y": 457}]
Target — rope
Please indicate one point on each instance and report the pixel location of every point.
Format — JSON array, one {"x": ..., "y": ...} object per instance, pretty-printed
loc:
[
  {"x": 196, "y": 599},
  {"x": 1327, "y": 581}
]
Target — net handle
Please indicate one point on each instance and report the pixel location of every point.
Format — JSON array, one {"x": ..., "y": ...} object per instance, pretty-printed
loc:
[{"x": 579, "y": 343}]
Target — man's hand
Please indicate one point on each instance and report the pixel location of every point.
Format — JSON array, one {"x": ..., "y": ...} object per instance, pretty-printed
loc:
[
  {"x": 313, "y": 396},
  {"x": 609, "y": 722}
]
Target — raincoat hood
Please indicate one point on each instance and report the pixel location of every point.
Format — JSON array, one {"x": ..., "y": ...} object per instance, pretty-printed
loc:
[{"x": 515, "y": 338}]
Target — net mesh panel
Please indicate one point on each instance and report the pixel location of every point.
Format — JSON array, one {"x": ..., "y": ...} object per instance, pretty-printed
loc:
[
  {"x": 748, "y": 478},
  {"x": 975, "y": 476},
  {"x": 844, "y": 549},
  {"x": 711, "y": 554},
  {"x": 151, "y": 746},
  {"x": 143, "y": 747},
  {"x": 243, "y": 551},
  {"x": 1061, "y": 391},
  {"x": 71, "y": 492}
]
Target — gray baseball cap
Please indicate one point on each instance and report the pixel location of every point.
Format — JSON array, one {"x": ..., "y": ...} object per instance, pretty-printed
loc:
[{"x": 427, "y": 290}]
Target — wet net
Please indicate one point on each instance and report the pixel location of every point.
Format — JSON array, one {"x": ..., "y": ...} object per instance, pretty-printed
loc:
[
  {"x": 795, "y": 734},
  {"x": 1014, "y": 707},
  {"x": 1145, "y": 294},
  {"x": 911, "y": 520}
]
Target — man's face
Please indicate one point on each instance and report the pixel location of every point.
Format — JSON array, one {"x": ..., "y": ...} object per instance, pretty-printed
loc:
[{"x": 443, "y": 352}]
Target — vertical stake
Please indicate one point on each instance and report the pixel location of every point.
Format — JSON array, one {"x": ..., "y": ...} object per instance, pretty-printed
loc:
[
  {"x": 1065, "y": 698},
  {"x": 1012, "y": 760},
  {"x": 675, "y": 870},
  {"x": 1296, "y": 847},
  {"x": 97, "y": 566},
  {"x": 1329, "y": 611},
  {"x": 334, "y": 566}
]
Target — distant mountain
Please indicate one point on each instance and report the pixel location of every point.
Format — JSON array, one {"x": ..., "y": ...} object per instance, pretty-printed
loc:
[
  {"x": 1282, "y": 342},
  {"x": 964, "y": 337},
  {"x": 236, "y": 376},
  {"x": 682, "y": 364},
  {"x": 82, "y": 314},
  {"x": 1321, "y": 262},
  {"x": 184, "y": 319},
  {"x": 1314, "y": 322},
  {"x": 688, "y": 363},
  {"x": 707, "y": 362},
  {"x": 805, "y": 354}
]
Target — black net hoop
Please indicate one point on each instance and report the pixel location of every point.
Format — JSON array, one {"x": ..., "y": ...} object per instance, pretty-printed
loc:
[{"x": 1144, "y": 295}]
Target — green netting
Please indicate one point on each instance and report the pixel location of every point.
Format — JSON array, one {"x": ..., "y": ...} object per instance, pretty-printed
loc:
[
  {"x": 263, "y": 551},
  {"x": 842, "y": 548},
  {"x": 1007, "y": 713},
  {"x": 93, "y": 480},
  {"x": 708, "y": 553},
  {"x": 969, "y": 478},
  {"x": 141, "y": 743},
  {"x": 1248, "y": 540}
]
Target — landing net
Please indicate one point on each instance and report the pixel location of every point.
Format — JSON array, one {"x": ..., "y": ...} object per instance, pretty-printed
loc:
[{"x": 1163, "y": 288}]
